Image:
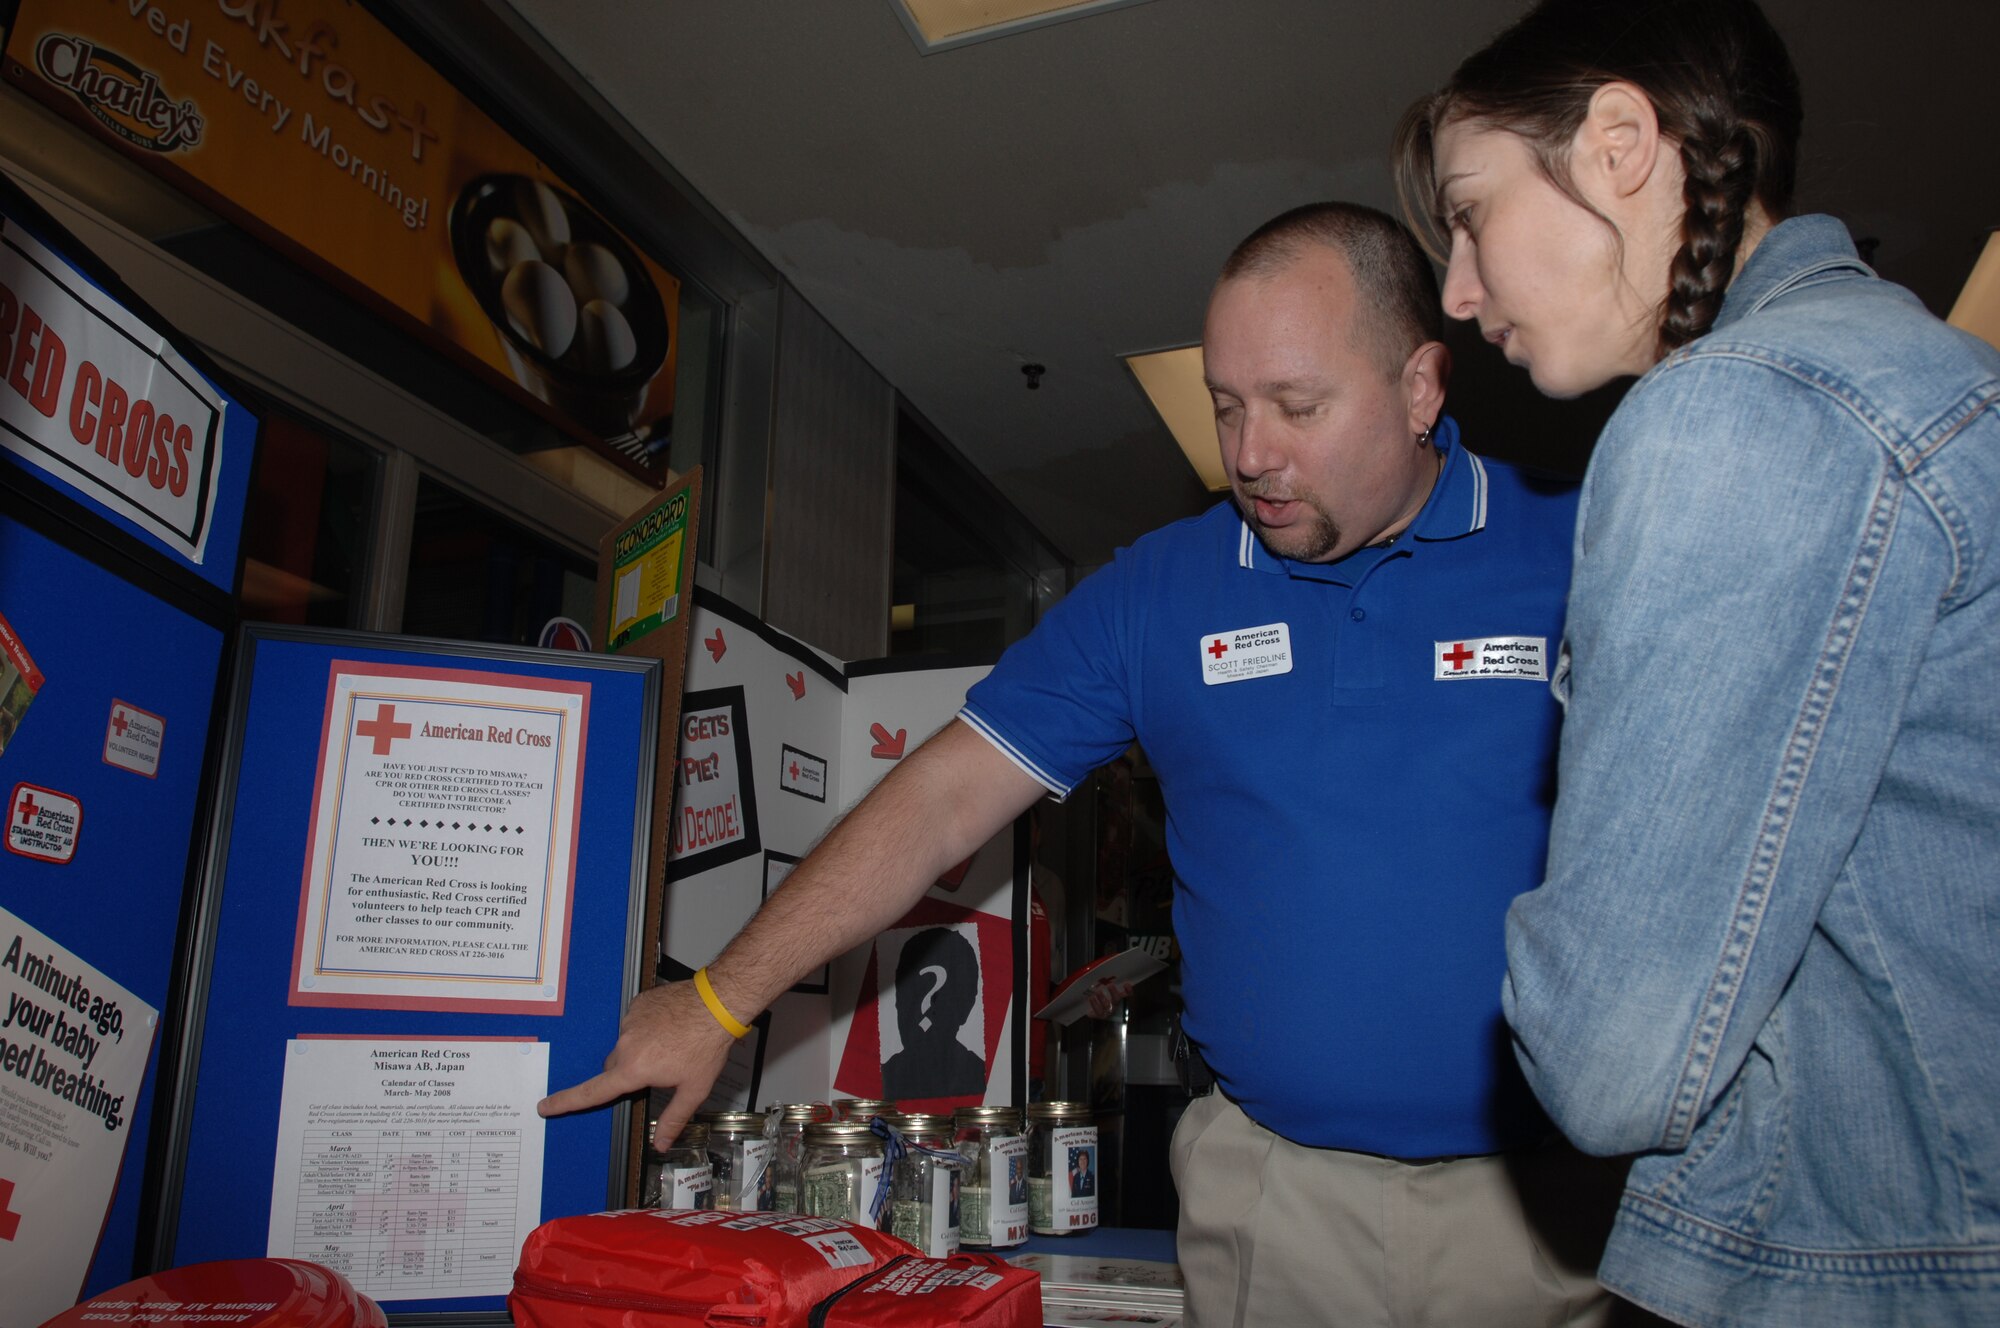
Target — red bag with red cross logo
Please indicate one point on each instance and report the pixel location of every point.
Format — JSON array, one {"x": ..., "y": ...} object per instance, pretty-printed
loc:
[
  {"x": 251, "y": 1293},
  {"x": 977, "y": 1291},
  {"x": 659, "y": 1268}
]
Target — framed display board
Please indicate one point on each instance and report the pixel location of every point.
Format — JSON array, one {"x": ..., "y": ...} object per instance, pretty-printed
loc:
[{"x": 422, "y": 911}]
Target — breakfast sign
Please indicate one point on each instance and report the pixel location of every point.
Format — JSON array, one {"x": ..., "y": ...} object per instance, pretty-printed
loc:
[{"x": 307, "y": 122}]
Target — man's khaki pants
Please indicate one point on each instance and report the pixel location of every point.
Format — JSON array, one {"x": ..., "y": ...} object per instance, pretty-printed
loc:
[{"x": 1277, "y": 1235}]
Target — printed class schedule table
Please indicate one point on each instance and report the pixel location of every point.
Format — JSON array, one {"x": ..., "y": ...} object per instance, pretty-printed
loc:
[
  {"x": 397, "y": 1209},
  {"x": 412, "y": 1166}
]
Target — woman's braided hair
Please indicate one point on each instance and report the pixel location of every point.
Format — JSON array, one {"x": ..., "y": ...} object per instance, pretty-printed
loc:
[{"x": 1721, "y": 84}]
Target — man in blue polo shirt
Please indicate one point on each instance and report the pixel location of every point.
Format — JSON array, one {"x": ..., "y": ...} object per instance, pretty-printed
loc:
[{"x": 1341, "y": 681}]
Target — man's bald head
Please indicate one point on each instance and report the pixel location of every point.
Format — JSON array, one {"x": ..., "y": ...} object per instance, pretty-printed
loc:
[{"x": 1400, "y": 308}]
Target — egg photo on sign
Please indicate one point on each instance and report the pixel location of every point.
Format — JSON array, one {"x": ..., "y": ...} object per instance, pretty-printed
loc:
[{"x": 579, "y": 317}]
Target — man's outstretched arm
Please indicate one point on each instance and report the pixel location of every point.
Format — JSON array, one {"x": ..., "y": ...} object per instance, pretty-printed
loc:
[{"x": 934, "y": 810}]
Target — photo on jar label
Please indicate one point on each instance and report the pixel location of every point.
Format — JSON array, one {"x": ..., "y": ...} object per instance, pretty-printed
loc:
[{"x": 1083, "y": 1171}]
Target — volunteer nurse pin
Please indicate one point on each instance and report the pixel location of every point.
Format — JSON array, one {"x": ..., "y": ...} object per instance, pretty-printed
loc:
[{"x": 1246, "y": 652}]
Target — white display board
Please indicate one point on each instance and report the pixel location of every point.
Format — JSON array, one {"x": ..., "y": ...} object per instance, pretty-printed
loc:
[{"x": 777, "y": 741}]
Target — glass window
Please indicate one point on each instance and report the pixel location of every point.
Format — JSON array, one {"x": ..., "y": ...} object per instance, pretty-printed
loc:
[
  {"x": 306, "y": 530},
  {"x": 476, "y": 576},
  {"x": 955, "y": 591}
]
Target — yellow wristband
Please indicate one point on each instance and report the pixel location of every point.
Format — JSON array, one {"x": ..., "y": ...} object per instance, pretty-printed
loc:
[{"x": 714, "y": 1004}]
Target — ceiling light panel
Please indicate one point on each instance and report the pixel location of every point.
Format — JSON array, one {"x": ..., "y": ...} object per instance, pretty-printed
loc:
[
  {"x": 938, "y": 25},
  {"x": 1174, "y": 384}
]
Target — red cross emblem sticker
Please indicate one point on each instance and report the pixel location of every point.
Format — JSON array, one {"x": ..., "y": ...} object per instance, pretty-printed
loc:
[
  {"x": 27, "y": 807},
  {"x": 1216, "y": 648},
  {"x": 1456, "y": 656},
  {"x": 10, "y": 1221},
  {"x": 383, "y": 729},
  {"x": 119, "y": 722}
]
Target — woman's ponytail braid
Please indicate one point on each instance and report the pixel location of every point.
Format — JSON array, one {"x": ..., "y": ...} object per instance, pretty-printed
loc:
[{"x": 1721, "y": 168}]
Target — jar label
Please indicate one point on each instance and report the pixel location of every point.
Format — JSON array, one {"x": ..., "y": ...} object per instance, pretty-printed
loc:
[
  {"x": 1008, "y": 1167},
  {"x": 941, "y": 1233},
  {"x": 1073, "y": 1177},
  {"x": 685, "y": 1187}
]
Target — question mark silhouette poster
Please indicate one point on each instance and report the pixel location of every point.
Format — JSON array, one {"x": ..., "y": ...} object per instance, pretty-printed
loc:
[{"x": 926, "y": 1014}]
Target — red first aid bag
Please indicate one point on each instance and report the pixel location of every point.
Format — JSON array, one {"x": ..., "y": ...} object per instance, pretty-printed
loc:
[
  {"x": 677, "y": 1269},
  {"x": 978, "y": 1291},
  {"x": 250, "y": 1293}
]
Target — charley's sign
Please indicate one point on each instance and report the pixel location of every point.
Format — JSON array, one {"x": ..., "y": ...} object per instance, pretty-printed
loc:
[
  {"x": 308, "y": 123},
  {"x": 124, "y": 97}
]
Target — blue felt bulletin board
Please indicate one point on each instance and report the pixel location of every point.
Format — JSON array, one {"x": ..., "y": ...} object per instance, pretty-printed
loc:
[
  {"x": 232, "y": 1059},
  {"x": 117, "y": 902}
]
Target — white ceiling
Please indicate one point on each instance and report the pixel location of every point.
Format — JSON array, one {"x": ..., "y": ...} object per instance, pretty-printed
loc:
[{"x": 1063, "y": 196}]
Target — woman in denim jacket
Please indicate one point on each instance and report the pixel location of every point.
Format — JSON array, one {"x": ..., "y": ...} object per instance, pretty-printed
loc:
[{"x": 1767, "y": 954}]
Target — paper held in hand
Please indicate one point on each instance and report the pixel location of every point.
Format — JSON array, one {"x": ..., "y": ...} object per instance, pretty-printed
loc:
[{"x": 1071, "y": 1000}]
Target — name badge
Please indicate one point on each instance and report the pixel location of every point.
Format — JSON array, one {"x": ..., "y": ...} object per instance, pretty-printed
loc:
[
  {"x": 1491, "y": 657},
  {"x": 1246, "y": 652}
]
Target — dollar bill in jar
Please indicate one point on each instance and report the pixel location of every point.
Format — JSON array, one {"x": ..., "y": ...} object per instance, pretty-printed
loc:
[{"x": 841, "y": 1171}]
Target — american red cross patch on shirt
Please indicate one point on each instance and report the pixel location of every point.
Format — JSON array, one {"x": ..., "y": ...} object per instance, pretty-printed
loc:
[{"x": 1491, "y": 657}]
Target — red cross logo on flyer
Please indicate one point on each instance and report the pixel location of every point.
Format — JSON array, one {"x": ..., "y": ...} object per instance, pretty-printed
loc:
[
  {"x": 27, "y": 807},
  {"x": 1456, "y": 656},
  {"x": 383, "y": 729},
  {"x": 10, "y": 1222},
  {"x": 1216, "y": 648}
]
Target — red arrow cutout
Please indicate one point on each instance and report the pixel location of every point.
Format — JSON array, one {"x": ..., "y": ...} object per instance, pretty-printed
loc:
[
  {"x": 716, "y": 646},
  {"x": 797, "y": 682},
  {"x": 888, "y": 747}
]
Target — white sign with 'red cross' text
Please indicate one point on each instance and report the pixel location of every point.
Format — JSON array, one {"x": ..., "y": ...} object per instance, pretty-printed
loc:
[{"x": 95, "y": 398}]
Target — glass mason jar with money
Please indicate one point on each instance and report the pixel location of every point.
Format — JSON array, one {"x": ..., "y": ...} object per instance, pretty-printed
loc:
[
  {"x": 993, "y": 1196},
  {"x": 739, "y": 1156},
  {"x": 682, "y": 1178},
  {"x": 1062, "y": 1168},
  {"x": 841, "y": 1169},
  {"x": 924, "y": 1186}
]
